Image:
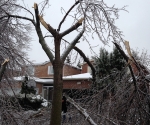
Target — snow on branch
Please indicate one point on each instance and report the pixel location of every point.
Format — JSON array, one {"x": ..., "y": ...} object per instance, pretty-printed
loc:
[
  {"x": 71, "y": 45},
  {"x": 81, "y": 110},
  {"x": 127, "y": 60},
  {"x": 40, "y": 18},
  {"x": 40, "y": 35}
]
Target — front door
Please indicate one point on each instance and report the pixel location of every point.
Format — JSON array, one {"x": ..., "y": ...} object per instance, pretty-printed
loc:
[{"x": 48, "y": 92}]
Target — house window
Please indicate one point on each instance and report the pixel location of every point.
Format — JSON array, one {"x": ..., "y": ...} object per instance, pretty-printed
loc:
[
  {"x": 50, "y": 70},
  {"x": 78, "y": 83},
  {"x": 30, "y": 70},
  {"x": 89, "y": 69}
]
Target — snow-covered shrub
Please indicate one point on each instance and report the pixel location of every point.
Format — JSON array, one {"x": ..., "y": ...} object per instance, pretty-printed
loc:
[
  {"x": 44, "y": 103},
  {"x": 32, "y": 102}
]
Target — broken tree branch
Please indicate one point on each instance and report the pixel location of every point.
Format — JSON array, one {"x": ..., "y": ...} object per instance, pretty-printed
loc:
[
  {"x": 127, "y": 59},
  {"x": 74, "y": 27},
  {"x": 40, "y": 35},
  {"x": 40, "y": 19},
  {"x": 81, "y": 110},
  {"x": 47, "y": 26},
  {"x": 3, "y": 68}
]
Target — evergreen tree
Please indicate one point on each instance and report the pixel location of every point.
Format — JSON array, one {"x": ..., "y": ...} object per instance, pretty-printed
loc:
[
  {"x": 102, "y": 63},
  {"x": 25, "y": 89},
  {"x": 117, "y": 60},
  {"x": 107, "y": 66}
]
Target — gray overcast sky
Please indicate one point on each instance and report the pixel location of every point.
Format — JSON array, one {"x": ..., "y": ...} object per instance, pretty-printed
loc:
[{"x": 135, "y": 25}]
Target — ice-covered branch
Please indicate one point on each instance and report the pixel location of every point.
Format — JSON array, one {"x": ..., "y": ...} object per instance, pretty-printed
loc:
[
  {"x": 86, "y": 60},
  {"x": 81, "y": 110},
  {"x": 72, "y": 28},
  {"x": 40, "y": 35},
  {"x": 71, "y": 46},
  {"x": 127, "y": 60},
  {"x": 66, "y": 15}
]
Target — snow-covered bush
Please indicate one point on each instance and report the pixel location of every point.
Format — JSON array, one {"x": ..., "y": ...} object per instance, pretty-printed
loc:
[
  {"x": 32, "y": 102},
  {"x": 44, "y": 103}
]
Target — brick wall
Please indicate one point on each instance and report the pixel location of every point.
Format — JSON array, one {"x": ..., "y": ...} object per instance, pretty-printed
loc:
[
  {"x": 72, "y": 84},
  {"x": 84, "y": 68},
  {"x": 41, "y": 71},
  {"x": 136, "y": 71},
  {"x": 40, "y": 86},
  {"x": 69, "y": 70}
]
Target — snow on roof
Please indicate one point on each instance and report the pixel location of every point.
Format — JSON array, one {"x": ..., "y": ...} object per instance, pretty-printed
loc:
[
  {"x": 21, "y": 78},
  {"x": 51, "y": 81},
  {"x": 78, "y": 76},
  {"x": 42, "y": 63}
]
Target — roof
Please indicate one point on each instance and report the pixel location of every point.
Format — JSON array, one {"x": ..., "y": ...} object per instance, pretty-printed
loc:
[
  {"x": 84, "y": 76},
  {"x": 67, "y": 64},
  {"x": 49, "y": 81},
  {"x": 44, "y": 63},
  {"x": 78, "y": 76},
  {"x": 91, "y": 60}
]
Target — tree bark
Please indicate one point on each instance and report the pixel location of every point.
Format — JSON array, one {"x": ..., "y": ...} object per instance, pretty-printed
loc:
[{"x": 58, "y": 86}]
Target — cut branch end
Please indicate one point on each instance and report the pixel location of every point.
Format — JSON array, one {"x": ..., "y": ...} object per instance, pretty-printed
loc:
[
  {"x": 81, "y": 20},
  {"x": 35, "y": 6},
  {"x": 6, "y": 61},
  {"x": 43, "y": 22}
]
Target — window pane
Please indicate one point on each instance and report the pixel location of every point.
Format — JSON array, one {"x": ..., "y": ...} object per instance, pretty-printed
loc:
[{"x": 50, "y": 70}]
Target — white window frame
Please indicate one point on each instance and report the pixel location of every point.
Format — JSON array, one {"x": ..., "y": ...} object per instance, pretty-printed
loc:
[{"x": 50, "y": 70}]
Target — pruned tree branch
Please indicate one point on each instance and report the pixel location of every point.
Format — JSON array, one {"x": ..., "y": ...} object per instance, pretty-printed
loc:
[
  {"x": 40, "y": 19},
  {"x": 72, "y": 28},
  {"x": 40, "y": 35},
  {"x": 47, "y": 26},
  {"x": 3, "y": 67},
  {"x": 36, "y": 14}
]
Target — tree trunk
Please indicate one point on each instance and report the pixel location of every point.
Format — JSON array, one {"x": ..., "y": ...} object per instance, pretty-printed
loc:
[{"x": 58, "y": 86}]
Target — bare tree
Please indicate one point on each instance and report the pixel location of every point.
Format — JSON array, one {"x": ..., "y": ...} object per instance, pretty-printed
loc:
[
  {"x": 14, "y": 42},
  {"x": 14, "y": 38},
  {"x": 129, "y": 104},
  {"x": 94, "y": 16}
]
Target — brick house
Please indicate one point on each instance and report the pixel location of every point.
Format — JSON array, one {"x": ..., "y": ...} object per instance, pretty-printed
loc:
[{"x": 73, "y": 78}]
